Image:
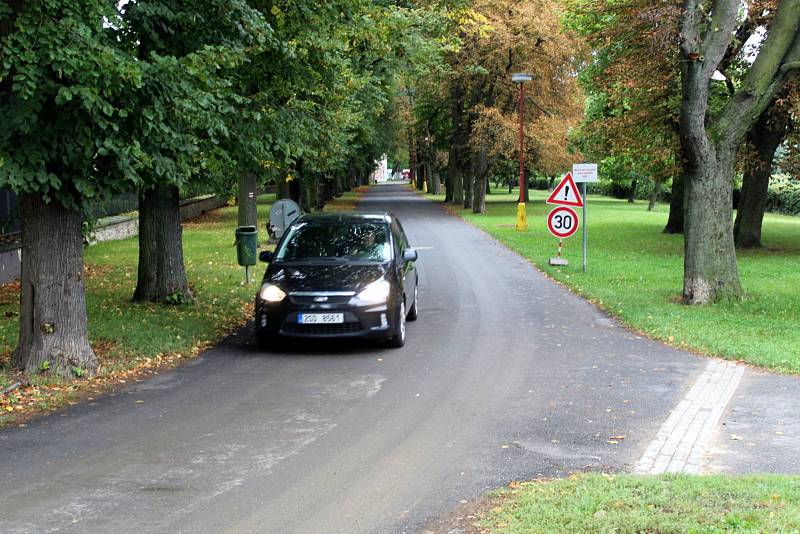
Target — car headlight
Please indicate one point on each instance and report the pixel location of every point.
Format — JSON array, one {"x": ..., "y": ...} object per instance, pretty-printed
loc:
[
  {"x": 271, "y": 293},
  {"x": 375, "y": 292}
]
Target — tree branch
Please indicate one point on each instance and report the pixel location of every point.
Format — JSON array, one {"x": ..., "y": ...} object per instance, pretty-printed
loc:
[
  {"x": 719, "y": 34},
  {"x": 786, "y": 67},
  {"x": 779, "y": 53}
]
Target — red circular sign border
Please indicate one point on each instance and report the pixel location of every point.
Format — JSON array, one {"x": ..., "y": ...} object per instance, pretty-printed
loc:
[{"x": 550, "y": 222}]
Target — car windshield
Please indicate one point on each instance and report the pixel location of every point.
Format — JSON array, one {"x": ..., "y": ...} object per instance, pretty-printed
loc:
[{"x": 348, "y": 241}]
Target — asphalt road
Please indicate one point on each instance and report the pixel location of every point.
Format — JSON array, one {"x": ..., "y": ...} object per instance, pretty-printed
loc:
[{"x": 505, "y": 376}]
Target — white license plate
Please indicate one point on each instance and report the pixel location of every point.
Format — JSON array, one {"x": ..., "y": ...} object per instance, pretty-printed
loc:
[{"x": 320, "y": 318}]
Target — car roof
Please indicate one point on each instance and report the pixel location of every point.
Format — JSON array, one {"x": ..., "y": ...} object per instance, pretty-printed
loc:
[{"x": 347, "y": 217}]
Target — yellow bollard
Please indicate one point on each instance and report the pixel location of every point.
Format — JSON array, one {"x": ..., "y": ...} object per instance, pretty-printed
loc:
[
  {"x": 425, "y": 186},
  {"x": 522, "y": 220}
]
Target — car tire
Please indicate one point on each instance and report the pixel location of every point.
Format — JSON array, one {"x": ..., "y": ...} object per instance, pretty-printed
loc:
[
  {"x": 413, "y": 312},
  {"x": 399, "y": 338}
]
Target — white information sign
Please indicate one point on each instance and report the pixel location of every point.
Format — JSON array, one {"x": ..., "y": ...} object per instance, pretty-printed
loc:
[{"x": 584, "y": 172}]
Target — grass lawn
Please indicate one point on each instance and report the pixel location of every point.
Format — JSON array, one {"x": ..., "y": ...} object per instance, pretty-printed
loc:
[
  {"x": 134, "y": 339},
  {"x": 636, "y": 274},
  {"x": 665, "y": 504}
]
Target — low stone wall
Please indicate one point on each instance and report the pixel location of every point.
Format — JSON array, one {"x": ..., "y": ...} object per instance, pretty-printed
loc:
[
  {"x": 195, "y": 207},
  {"x": 115, "y": 228},
  {"x": 10, "y": 264},
  {"x": 110, "y": 229}
]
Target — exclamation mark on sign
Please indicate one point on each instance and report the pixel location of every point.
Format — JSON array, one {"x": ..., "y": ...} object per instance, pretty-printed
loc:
[{"x": 566, "y": 192}]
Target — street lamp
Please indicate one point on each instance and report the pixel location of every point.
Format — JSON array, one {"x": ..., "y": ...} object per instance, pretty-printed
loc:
[{"x": 521, "y": 78}]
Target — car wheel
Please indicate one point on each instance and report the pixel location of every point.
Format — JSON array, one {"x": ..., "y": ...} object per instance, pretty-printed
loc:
[
  {"x": 399, "y": 338},
  {"x": 413, "y": 312}
]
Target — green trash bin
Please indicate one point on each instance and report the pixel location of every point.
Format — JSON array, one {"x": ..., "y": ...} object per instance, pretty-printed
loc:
[{"x": 247, "y": 245}]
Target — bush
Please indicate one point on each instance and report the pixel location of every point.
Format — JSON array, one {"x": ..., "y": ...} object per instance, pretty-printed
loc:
[
  {"x": 783, "y": 195},
  {"x": 644, "y": 189}
]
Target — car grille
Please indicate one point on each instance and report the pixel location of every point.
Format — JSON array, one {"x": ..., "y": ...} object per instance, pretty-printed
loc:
[
  {"x": 322, "y": 329},
  {"x": 309, "y": 299}
]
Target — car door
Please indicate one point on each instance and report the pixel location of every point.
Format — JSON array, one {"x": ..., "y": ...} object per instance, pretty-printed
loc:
[{"x": 408, "y": 269}]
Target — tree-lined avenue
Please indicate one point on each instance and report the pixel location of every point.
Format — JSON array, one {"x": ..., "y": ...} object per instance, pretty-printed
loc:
[{"x": 505, "y": 376}]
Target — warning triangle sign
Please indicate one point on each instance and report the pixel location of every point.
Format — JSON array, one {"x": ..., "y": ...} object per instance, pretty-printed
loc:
[{"x": 566, "y": 194}]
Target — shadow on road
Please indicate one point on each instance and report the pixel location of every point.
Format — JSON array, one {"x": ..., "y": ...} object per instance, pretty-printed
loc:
[{"x": 244, "y": 345}]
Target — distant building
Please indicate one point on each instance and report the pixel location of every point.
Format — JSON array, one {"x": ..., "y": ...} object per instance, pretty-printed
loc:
[{"x": 382, "y": 173}]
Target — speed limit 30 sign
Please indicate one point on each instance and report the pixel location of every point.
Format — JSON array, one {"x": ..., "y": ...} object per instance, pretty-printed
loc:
[{"x": 562, "y": 222}]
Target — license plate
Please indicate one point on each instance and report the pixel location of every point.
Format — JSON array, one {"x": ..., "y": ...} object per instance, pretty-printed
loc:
[{"x": 320, "y": 318}]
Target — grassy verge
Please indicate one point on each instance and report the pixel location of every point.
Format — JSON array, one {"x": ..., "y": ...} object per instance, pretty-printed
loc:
[
  {"x": 635, "y": 273},
  {"x": 133, "y": 340},
  {"x": 666, "y": 504}
]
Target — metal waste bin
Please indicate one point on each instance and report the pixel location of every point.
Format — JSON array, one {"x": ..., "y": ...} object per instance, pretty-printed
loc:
[{"x": 247, "y": 245}]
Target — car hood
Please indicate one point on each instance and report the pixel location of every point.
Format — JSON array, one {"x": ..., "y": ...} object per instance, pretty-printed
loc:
[{"x": 325, "y": 277}]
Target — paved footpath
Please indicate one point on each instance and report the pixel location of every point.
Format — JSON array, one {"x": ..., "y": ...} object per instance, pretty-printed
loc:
[{"x": 505, "y": 376}]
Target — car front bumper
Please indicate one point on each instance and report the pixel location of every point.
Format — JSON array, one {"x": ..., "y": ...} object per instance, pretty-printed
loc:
[{"x": 367, "y": 321}]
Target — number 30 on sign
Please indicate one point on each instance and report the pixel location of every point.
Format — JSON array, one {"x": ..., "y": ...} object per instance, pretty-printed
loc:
[{"x": 562, "y": 222}]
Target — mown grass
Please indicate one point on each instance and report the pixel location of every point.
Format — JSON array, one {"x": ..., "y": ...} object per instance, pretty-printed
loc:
[
  {"x": 131, "y": 338},
  {"x": 664, "y": 504},
  {"x": 635, "y": 272}
]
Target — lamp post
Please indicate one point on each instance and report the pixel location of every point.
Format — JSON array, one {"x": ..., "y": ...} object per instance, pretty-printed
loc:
[{"x": 521, "y": 78}]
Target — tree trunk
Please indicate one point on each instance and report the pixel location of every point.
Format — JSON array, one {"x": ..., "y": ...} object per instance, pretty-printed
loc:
[
  {"x": 412, "y": 156},
  {"x": 448, "y": 187},
  {"x": 429, "y": 178},
  {"x": 294, "y": 189},
  {"x": 468, "y": 181},
  {"x": 309, "y": 193},
  {"x": 458, "y": 141},
  {"x": 281, "y": 188},
  {"x": 437, "y": 183},
  {"x": 248, "y": 203},
  {"x": 162, "y": 276},
  {"x": 710, "y": 269},
  {"x": 654, "y": 195},
  {"x": 479, "y": 195},
  {"x": 479, "y": 182},
  {"x": 766, "y": 136},
  {"x": 53, "y": 332},
  {"x": 710, "y": 272},
  {"x": 676, "y": 214},
  {"x": 632, "y": 192},
  {"x": 456, "y": 192},
  {"x": 322, "y": 192}
]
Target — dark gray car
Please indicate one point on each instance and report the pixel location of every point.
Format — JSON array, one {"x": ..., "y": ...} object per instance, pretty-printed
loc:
[{"x": 348, "y": 275}]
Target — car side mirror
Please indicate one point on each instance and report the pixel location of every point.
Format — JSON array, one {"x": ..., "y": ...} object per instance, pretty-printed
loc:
[
  {"x": 265, "y": 256},
  {"x": 410, "y": 254}
]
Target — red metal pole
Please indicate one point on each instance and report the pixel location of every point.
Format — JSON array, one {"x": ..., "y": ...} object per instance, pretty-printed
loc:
[{"x": 521, "y": 142}]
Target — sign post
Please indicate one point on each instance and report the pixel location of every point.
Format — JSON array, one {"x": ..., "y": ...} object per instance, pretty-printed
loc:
[{"x": 583, "y": 173}]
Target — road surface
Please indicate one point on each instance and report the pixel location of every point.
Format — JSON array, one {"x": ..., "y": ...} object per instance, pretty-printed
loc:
[{"x": 505, "y": 376}]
